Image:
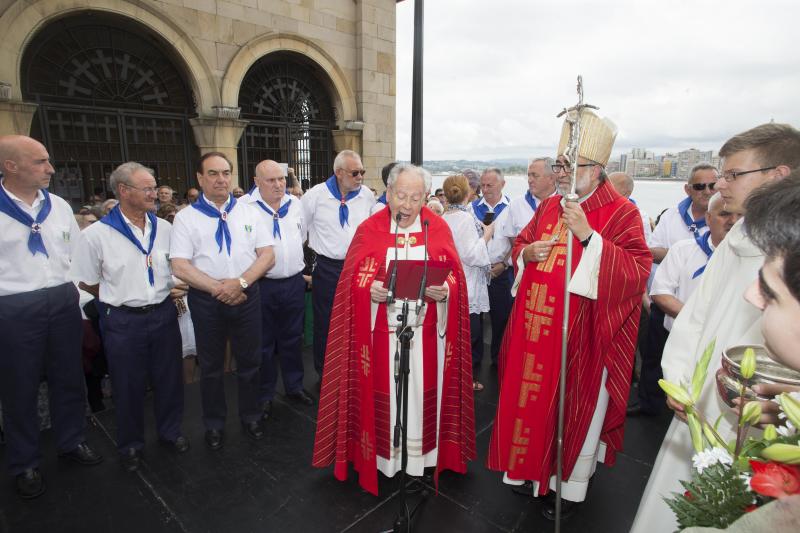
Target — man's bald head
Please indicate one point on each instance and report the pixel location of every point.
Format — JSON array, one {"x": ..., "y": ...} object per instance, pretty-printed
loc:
[
  {"x": 271, "y": 181},
  {"x": 13, "y": 146},
  {"x": 268, "y": 167},
  {"x": 622, "y": 182},
  {"x": 25, "y": 164},
  {"x": 716, "y": 203}
]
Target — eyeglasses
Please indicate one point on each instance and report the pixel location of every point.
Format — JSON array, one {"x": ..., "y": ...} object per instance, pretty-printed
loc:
[
  {"x": 355, "y": 173},
  {"x": 732, "y": 175},
  {"x": 557, "y": 169},
  {"x": 146, "y": 190},
  {"x": 702, "y": 186}
]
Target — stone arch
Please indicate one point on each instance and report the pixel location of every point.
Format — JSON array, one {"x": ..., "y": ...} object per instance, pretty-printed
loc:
[
  {"x": 341, "y": 93},
  {"x": 24, "y": 18}
]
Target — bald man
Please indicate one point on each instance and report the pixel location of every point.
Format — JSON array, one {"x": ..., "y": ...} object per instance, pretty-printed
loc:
[
  {"x": 282, "y": 288},
  {"x": 40, "y": 320},
  {"x": 623, "y": 184}
]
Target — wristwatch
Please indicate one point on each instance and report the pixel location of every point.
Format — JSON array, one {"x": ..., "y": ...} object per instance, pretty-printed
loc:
[{"x": 243, "y": 283}]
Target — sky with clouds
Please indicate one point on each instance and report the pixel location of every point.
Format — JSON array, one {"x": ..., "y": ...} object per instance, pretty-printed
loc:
[{"x": 671, "y": 74}]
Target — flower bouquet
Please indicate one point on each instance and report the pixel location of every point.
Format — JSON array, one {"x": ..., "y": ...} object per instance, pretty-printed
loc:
[{"x": 734, "y": 478}]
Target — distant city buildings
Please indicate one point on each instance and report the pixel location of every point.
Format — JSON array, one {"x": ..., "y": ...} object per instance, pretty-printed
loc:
[{"x": 642, "y": 163}]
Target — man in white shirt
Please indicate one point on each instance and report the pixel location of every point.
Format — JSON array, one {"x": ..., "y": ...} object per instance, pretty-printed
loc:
[
  {"x": 124, "y": 262},
  {"x": 716, "y": 310},
  {"x": 221, "y": 248},
  {"x": 283, "y": 289},
  {"x": 491, "y": 209},
  {"x": 40, "y": 320},
  {"x": 541, "y": 185},
  {"x": 332, "y": 211},
  {"x": 680, "y": 271}
]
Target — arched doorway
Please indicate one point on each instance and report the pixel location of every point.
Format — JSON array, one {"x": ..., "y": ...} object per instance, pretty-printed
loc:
[
  {"x": 290, "y": 117},
  {"x": 109, "y": 91}
]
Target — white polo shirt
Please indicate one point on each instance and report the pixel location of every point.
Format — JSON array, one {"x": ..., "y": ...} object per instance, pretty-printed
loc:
[
  {"x": 20, "y": 270},
  {"x": 104, "y": 255},
  {"x": 326, "y": 236},
  {"x": 498, "y": 245},
  {"x": 289, "y": 247},
  {"x": 520, "y": 213},
  {"x": 671, "y": 229},
  {"x": 674, "y": 274},
  {"x": 193, "y": 238}
]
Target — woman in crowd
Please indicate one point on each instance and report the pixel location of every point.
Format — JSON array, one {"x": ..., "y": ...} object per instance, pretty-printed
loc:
[{"x": 470, "y": 237}]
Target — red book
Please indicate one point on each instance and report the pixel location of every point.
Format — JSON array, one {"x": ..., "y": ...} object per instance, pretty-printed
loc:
[{"x": 409, "y": 276}]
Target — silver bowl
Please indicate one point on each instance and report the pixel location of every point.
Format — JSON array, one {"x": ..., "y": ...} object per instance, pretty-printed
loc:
[{"x": 767, "y": 371}]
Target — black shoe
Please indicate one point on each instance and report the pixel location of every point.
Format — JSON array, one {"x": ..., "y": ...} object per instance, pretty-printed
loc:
[
  {"x": 215, "y": 438},
  {"x": 179, "y": 445},
  {"x": 301, "y": 396},
  {"x": 266, "y": 410},
  {"x": 253, "y": 430},
  {"x": 568, "y": 508},
  {"x": 130, "y": 459},
  {"x": 30, "y": 484},
  {"x": 526, "y": 489},
  {"x": 83, "y": 455}
]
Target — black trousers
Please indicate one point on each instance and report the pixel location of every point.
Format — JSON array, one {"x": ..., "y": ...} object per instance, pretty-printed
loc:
[
  {"x": 500, "y": 303},
  {"x": 651, "y": 397},
  {"x": 323, "y": 289},
  {"x": 283, "y": 310},
  {"x": 41, "y": 332},
  {"x": 476, "y": 338},
  {"x": 214, "y": 323},
  {"x": 141, "y": 347}
]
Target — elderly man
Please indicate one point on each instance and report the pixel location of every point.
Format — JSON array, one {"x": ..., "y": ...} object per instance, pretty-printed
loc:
[
  {"x": 221, "y": 248},
  {"x": 192, "y": 195},
  {"x": 332, "y": 212},
  {"x": 124, "y": 262},
  {"x": 541, "y": 185},
  {"x": 164, "y": 196},
  {"x": 282, "y": 289},
  {"x": 623, "y": 183},
  {"x": 491, "y": 209},
  {"x": 716, "y": 310},
  {"x": 679, "y": 273},
  {"x": 357, "y": 405},
  {"x": 611, "y": 263},
  {"x": 40, "y": 321}
]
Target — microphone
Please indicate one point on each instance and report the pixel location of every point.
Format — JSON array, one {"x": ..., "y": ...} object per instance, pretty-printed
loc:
[
  {"x": 393, "y": 275},
  {"x": 424, "y": 281}
]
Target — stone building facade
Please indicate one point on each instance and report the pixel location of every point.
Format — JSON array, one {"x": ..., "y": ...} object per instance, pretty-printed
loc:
[{"x": 100, "y": 82}]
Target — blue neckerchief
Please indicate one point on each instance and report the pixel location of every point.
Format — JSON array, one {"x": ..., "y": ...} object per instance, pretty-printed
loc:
[
  {"x": 531, "y": 200},
  {"x": 702, "y": 242},
  {"x": 252, "y": 189},
  {"x": 115, "y": 219},
  {"x": 631, "y": 200},
  {"x": 382, "y": 198},
  {"x": 276, "y": 227},
  {"x": 693, "y": 225},
  {"x": 223, "y": 233},
  {"x": 10, "y": 208},
  {"x": 482, "y": 208},
  {"x": 333, "y": 186}
]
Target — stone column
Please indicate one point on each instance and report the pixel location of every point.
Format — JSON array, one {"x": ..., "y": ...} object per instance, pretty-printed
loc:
[
  {"x": 220, "y": 135},
  {"x": 16, "y": 117}
]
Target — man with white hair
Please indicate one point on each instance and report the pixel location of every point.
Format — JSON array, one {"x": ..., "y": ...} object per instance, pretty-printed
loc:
[
  {"x": 358, "y": 402},
  {"x": 124, "y": 262},
  {"x": 332, "y": 211},
  {"x": 623, "y": 183},
  {"x": 491, "y": 208},
  {"x": 541, "y": 185}
]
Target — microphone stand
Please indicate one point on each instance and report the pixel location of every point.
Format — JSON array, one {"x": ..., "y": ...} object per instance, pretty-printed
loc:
[
  {"x": 402, "y": 371},
  {"x": 393, "y": 275}
]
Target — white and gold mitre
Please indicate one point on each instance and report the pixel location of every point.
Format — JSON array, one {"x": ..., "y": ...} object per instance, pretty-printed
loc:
[{"x": 597, "y": 136}]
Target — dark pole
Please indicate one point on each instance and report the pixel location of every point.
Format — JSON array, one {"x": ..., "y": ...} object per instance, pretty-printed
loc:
[{"x": 416, "y": 91}]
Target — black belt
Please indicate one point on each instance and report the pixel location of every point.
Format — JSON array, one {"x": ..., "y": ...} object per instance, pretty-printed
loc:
[
  {"x": 326, "y": 259},
  {"x": 140, "y": 310}
]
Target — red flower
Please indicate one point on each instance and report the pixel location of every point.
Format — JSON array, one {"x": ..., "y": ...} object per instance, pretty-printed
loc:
[
  {"x": 775, "y": 480},
  {"x": 688, "y": 495},
  {"x": 750, "y": 508}
]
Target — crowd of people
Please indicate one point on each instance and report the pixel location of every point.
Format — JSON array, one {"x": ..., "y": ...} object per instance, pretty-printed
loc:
[{"x": 227, "y": 271}]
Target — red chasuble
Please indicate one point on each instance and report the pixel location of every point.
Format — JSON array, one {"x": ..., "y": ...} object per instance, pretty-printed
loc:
[
  {"x": 602, "y": 334},
  {"x": 355, "y": 382}
]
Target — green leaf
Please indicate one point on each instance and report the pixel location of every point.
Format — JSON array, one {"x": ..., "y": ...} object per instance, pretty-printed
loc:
[
  {"x": 701, "y": 370},
  {"x": 696, "y": 431}
]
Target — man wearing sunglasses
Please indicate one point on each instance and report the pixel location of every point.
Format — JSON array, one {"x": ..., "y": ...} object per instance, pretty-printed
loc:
[
  {"x": 716, "y": 310},
  {"x": 332, "y": 211}
]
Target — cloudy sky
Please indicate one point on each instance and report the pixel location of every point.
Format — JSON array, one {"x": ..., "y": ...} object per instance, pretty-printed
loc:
[{"x": 671, "y": 74}]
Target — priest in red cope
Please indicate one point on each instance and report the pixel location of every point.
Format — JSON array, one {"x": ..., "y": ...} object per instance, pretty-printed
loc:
[
  {"x": 357, "y": 404},
  {"x": 611, "y": 263}
]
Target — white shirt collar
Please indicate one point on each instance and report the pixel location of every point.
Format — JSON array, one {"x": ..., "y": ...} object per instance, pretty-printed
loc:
[{"x": 39, "y": 196}]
